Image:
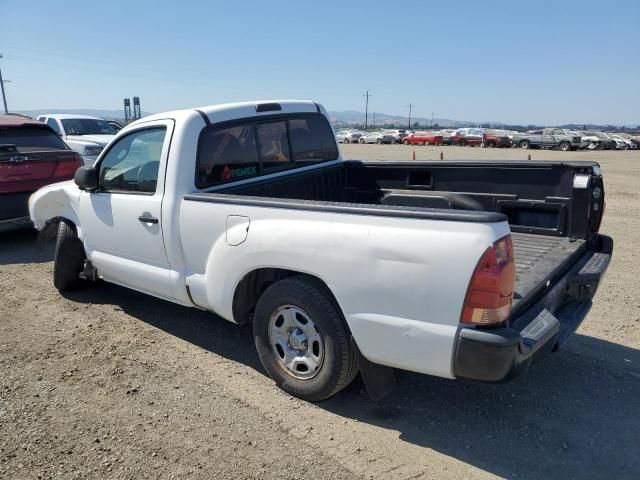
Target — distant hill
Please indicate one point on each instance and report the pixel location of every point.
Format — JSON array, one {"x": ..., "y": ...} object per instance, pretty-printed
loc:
[{"x": 109, "y": 114}]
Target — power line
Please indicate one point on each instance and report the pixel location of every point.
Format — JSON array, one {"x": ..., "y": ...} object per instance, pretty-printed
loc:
[
  {"x": 366, "y": 110},
  {"x": 4, "y": 97}
]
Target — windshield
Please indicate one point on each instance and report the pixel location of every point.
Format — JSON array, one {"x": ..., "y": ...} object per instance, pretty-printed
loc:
[{"x": 87, "y": 126}]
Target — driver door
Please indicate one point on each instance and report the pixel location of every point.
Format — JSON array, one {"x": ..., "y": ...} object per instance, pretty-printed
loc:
[{"x": 122, "y": 220}]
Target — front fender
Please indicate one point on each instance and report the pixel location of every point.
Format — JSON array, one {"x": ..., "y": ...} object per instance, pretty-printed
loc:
[{"x": 59, "y": 200}]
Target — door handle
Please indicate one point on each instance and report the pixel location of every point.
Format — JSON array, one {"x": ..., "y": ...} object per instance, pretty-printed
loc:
[{"x": 147, "y": 219}]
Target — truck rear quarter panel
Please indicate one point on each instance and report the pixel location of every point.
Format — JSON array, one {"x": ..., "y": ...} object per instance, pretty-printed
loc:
[{"x": 399, "y": 282}]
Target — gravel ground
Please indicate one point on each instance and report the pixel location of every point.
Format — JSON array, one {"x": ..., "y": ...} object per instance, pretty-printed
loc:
[{"x": 110, "y": 383}]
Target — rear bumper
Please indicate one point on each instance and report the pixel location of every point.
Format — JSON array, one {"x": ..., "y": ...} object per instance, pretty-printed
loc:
[{"x": 500, "y": 354}]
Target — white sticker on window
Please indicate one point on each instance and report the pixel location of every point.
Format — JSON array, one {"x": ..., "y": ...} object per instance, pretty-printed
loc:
[{"x": 580, "y": 181}]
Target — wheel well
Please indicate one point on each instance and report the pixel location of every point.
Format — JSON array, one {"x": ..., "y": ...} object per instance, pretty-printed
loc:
[
  {"x": 49, "y": 232},
  {"x": 253, "y": 285}
]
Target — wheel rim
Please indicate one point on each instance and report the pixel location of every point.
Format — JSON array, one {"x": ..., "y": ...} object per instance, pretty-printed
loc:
[{"x": 296, "y": 342}]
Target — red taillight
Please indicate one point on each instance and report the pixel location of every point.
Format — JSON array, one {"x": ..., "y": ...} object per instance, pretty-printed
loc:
[
  {"x": 67, "y": 167},
  {"x": 488, "y": 300}
]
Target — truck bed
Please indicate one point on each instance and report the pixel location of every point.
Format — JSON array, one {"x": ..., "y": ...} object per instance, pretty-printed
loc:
[
  {"x": 548, "y": 215},
  {"x": 540, "y": 258}
]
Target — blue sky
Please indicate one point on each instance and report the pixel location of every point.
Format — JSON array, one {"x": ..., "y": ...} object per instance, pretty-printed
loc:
[{"x": 535, "y": 62}]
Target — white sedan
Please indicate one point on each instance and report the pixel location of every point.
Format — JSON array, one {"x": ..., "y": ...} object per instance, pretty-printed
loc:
[{"x": 372, "y": 137}]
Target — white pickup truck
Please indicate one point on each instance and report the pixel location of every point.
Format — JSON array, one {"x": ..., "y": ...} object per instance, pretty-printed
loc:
[
  {"x": 84, "y": 134},
  {"x": 247, "y": 210}
]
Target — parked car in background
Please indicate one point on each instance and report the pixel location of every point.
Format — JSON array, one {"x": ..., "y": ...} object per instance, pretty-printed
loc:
[
  {"x": 84, "y": 134},
  {"x": 548, "y": 138},
  {"x": 447, "y": 136},
  {"x": 633, "y": 143},
  {"x": 467, "y": 136},
  {"x": 494, "y": 139},
  {"x": 422, "y": 138},
  {"x": 376, "y": 137},
  {"x": 348, "y": 136},
  {"x": 588, "y": 140},
  {"x": 117, "y": 126},
  {"x": 32, "y": 155},
  {"x": 621, "y": 143},
  {"x": 599, "y": 139},
  {"x": 398, "y": 135}
]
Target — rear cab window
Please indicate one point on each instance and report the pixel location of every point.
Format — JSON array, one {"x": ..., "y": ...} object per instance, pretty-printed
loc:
[{"x": 259, "y": 146}]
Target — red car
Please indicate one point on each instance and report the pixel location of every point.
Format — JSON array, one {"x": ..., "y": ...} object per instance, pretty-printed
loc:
[
  {"x": 475, "y": 136},
  {"x": 422, "y": 139},
  {"x": 32, "y": 155}
]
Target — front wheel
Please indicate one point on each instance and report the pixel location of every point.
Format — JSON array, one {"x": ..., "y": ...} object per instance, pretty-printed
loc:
[
  {"x": 379, "y": 141},
  {"x": 69, "y": 258},
  {"x": 425, "y": 143},
  {"x": 346, "y": 140},
  {"x": 524, "y": 144},
  {"x": 565, "y": 146},
  {"x": 302, "y": 339},
  {"x": 362, "y": 141}
]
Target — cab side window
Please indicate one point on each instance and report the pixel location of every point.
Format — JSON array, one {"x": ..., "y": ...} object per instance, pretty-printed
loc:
[{"x": 132, "y": 164}]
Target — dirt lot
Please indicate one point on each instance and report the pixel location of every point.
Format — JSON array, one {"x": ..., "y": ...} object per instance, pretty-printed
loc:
[{"x": 109, "y": 383}]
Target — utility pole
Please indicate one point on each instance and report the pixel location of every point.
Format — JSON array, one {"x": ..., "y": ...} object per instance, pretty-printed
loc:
[
  {"x": 366, "y": 110},
  {"x": 410, "y": 107},
  {"x": 431, "y": 119},
  {"x": 4, "y": 97},
  {"x": 374, "y": 120}
]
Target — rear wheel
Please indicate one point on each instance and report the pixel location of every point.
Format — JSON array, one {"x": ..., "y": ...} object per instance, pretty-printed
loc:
[
  {"x": 346, "y": 140},
  {"x": 490, "y": 144},
  {"x": 425, "y": 143},
  {"x": 565, "y": 146},
  {"x": 524, "y": 144},
  {"x": 69, "y": 258},
  {"x": 362, "y": 141},
  {"x": 379, "y": 141},
  {"x": 302, "y": 339},
  {"x": 405, "y": 142}
]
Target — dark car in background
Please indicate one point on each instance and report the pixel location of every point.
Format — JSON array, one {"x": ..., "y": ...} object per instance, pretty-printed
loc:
[{"x": 32, "y": 155}]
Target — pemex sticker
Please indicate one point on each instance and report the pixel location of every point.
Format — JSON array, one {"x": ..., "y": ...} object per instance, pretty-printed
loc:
[{"x": 228, "y": 173}]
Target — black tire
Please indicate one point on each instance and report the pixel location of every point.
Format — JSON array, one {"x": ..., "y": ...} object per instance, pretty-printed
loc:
[
  {"x": 362, "y": 141},
  {"x": 405, "y": 142},
  {"x": 524, "y": 144},
  {"x": 379, "y": 141},
  {"x": 565, "y": 146},
  {"x": 346, "y": 140},
  {"x": 425, "y": 143},
  {"x": 339, "y": 366},
  {"x": 69, "y": 258},
  {"x": 490, "y": 144}
]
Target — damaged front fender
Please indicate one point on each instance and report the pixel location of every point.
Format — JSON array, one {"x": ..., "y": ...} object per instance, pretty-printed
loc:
[{"x": 52, "y": 203}]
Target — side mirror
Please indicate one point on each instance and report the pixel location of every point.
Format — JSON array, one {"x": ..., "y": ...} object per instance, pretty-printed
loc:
[{"x": 86, "y": 178}]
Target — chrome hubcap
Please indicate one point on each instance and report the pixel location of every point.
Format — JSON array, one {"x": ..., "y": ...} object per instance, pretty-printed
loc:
[{"x": 296, "y": 341}]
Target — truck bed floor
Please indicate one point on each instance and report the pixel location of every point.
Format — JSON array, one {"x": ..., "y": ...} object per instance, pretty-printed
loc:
[{"x": 540, "y": 258}]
